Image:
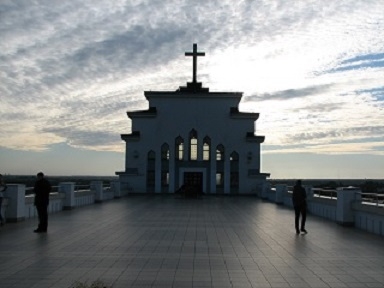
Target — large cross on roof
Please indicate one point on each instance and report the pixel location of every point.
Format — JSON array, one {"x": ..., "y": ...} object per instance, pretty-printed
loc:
[{"x": 194, "y": 54}]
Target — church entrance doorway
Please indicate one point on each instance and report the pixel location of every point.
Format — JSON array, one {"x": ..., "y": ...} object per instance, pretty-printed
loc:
[{"x": 193, "y": 182}]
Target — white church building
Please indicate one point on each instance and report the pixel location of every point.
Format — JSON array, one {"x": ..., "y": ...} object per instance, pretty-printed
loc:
[{"x": 193, "y": 136}]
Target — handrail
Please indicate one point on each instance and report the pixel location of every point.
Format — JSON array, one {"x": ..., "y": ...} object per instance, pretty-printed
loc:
[
  {"x": 376, "y": 199},
  {"x": 325, "y": 193},
  {"x": 29, "y": 190},
  {"x": 78, "y": 187},
  {"x": 82, "y": 187}
]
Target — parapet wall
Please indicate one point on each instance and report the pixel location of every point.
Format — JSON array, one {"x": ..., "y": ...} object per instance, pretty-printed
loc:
[
  {"x": 345, "y": 206},
  {"x": 18, "y": 206}
]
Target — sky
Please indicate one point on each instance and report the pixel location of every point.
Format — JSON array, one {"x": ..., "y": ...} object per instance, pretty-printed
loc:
[{"x": 314, "y": 70}]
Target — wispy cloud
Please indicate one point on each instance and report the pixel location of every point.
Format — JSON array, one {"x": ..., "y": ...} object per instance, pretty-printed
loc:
[
  {"x": 361, "y": 62},
  {"x": 291, "y": 93}
]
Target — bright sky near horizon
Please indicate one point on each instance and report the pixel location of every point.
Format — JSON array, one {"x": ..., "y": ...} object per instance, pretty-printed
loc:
[{"x": 314, "y": 70}]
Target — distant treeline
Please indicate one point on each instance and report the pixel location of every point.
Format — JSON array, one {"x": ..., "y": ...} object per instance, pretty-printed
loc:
[{"x": 366, "y": 186}]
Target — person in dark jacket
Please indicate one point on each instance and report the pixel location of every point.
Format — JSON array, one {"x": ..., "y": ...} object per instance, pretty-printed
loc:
[
  {"x": 42, "y": 189},
  {"x": 299, "y": 200}
]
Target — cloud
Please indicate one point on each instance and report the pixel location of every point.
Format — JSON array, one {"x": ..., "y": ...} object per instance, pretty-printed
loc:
[
  {"x": 291, "y": 93},
  {"x": 375, "y": 60},
  {"x": 83, "y": 138},
  {"x": 347, "y": 133},
  {"x": 71, "y": 69}
]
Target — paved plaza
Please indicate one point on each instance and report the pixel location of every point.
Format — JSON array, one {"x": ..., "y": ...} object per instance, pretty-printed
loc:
[{"x": 163, "y": 241}]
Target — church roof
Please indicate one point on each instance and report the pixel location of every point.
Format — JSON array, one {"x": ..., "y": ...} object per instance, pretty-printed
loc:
[
  {"x": 235, "y": 113},
  {"x": 150, "y": 112},
  {"x": 134, "y": 136},
  {"x": 197, "y": 94},
  {"x": 251, "y": 137}
]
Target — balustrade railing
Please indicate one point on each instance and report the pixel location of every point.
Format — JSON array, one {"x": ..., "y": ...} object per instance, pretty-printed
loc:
[
  {"x": 29, "y": 190},
  {"x": 19, "y": 199},
  {"x": 375, "y": 199},
  {"x": 82, "y": 187},
  {"x": 78, "y": 188},
  {"x": 345, "y": 205},
  {"x": 325, "y": 193}
]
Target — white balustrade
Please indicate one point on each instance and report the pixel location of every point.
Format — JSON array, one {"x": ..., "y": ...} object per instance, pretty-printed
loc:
[
  {"x": 16, "y": 202},
  {"x": 344, "y": 206}
]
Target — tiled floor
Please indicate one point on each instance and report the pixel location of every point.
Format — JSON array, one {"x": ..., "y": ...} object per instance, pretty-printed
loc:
[{"x": 162, "y": 241}]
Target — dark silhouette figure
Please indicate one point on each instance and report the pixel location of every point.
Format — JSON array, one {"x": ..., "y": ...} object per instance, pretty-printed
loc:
[
  {"x": 3, "y": 187},
  {"x": 42, "y": 190},
  {"x": 299, "y": 200},
  {"x": 188, "y": 191}
]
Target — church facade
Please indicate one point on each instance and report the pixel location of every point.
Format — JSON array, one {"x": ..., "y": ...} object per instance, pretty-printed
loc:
[{"x": 192, "y": 136}]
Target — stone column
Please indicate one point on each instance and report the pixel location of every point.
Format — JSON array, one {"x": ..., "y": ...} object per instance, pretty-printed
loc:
[
  {"x": 97, "y": 188},
  {"x": 309, "y": 191},
  {"x": 344, "y": 211},
  {"x": 212, "y": 160},
  {"x": 68, "y": 188},
  {"x": 158, "y": 171},
  {"x": 172, "y": 176},
  {"x": 115, "y": 186},
  {"x": 281, "y": 190},
  {"x": 16, "y": 202}
]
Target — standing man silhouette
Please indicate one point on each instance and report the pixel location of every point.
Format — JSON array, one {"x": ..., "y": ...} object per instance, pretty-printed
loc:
[
  {"x": 299, "y": 200},
  {"x": 42, "y": 190}
]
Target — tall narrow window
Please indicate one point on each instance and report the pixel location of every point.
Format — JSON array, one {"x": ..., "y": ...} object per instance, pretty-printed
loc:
[
  {"x": 165, "y": 152},
  {"x": 220, "y": 153},
  {"x": 219, "y": 180},
  {"x": 164, "y": 179},
  {"x": 193, "y": 145},
  {"x": 220, "y": 175},
  {"x": 165, "y": 168},
  {"x": 206, "y": 146},
  {"x": 234, "y": 156},
  {"x": 179, "y": 147}
]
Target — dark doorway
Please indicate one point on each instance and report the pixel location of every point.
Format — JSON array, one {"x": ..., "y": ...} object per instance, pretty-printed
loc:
[{"x": 193, "y": 182}]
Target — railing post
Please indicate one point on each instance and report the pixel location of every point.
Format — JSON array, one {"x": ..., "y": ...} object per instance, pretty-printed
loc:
[
  {"x": 344, "y": 210},
  {"x": 115, "y": 186},
  {"x": 281, "y": 190},
  {"x": 68, "y": 188},
  {"x": 309, "y": 192},
  {"x": 16, "y": 202},
  {"x": 97, "y": 188},
  {"x": 265, "y": 190}
]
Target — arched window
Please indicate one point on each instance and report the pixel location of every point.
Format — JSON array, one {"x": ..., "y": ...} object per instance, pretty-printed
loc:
[
  {"x": 193, "y": 145},
  {"x": 234, "y": 156},
  {"x": 165, "y": 152},
  {"x": 151, "y": 155},
  {"x": 179, "y": 147},
  {"x": 206, "y": 146},
  {"x": 220, "y": 153},
  {"x": 220, "y": 169}
]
